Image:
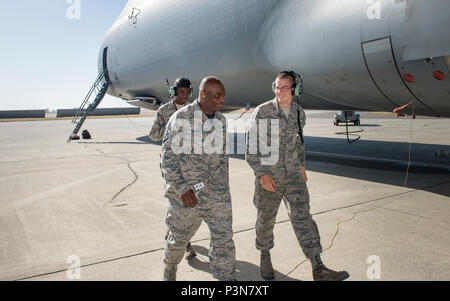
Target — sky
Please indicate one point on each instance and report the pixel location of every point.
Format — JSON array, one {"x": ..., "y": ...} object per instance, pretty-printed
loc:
[{"x": 49, "y": 51}]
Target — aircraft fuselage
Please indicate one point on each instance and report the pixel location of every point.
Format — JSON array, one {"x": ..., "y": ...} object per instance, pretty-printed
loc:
[{"x": 369, "y": 55}]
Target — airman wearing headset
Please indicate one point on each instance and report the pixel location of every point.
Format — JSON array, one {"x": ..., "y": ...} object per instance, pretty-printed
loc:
[
  {"x": 179, "y": 93},
  {"x": 284, "y": 179}
]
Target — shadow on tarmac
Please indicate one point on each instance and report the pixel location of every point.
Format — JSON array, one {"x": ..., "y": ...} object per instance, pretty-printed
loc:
[
  {"x": 246, "y": 271},
  {"x": 141, "y": 141},
  {"x": 391, "y": 157},
  {"x": 377, "y": 155}
]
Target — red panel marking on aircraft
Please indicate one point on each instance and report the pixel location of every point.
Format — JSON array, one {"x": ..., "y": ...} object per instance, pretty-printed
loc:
[
  {"x": 409, "y": 78},
  {"x": 439, "y": 75}
]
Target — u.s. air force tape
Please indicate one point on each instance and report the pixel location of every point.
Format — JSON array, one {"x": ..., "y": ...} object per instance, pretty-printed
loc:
[{"x": 199, "y": 186}]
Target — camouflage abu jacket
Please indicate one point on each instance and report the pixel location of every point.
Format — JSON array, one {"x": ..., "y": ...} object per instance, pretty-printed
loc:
[{"x": 287, "y": 159}]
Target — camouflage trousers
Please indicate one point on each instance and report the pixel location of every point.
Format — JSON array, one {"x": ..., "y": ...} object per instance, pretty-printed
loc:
[
  {"x": 267, "y": 205},
  {"x": 184, "y": 222}
]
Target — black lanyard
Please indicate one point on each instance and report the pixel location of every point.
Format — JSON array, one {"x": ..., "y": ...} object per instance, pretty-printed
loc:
[{"x": 300, "y": 129}]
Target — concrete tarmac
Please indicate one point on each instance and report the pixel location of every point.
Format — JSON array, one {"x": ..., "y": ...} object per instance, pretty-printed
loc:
[{"x": 101, "y": 201}]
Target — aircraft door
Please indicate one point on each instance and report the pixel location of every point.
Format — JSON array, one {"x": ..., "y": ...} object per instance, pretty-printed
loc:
[{"x": 383, "y": 69}]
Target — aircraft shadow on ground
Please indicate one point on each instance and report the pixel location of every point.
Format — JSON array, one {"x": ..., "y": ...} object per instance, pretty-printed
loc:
[
  {"x": 376, "y": 155},
  {"x": 147, "y": 139},
  {"x": 352, "y": 128},
  {"x": 140, "y": 141},
  {"x": 113, "y": 143},
  {"x": 246, "y": 271},
  {"x": 324, "y": 150}
]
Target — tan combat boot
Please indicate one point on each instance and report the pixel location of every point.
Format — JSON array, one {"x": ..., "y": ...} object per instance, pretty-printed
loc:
[
  {"x": 322, "y": 273},
  {"x": 266, "y": 267}
]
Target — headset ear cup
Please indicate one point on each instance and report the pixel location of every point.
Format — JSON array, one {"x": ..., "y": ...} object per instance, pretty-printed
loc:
[
  {"x": 298, "y": 84},
  {"x": 274, "y": 85},
  {"x": 192, "y": 92},
  {"x": 172, "y": 92},
  {"x": 297, "y": 90}
]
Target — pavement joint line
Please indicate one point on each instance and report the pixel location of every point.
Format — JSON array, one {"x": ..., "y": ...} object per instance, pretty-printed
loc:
[
  {"x": 249, "y": 229},
  {"x": 152, "y": 251},
  {"x": 51, "y": 170},
  {"x": 17, "y": 204},
  {"x": 345, "y": 221},
  {"x": 70, "y": 157},
  {"x": 382, "y": 198},
  {"x": 91, "y": 264}
]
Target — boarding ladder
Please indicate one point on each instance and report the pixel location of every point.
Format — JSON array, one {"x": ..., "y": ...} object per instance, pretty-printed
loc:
[{"x": 99, "y": 89}]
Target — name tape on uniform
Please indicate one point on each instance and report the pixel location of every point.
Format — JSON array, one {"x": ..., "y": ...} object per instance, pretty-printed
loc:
[{"x": 199, "y": 186}]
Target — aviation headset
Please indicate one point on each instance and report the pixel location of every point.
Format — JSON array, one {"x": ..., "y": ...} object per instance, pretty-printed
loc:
[
  {"x": 297, "y": 87},
  {"x": 180, "y": 83},
  {"x": 297, "y": 90}
]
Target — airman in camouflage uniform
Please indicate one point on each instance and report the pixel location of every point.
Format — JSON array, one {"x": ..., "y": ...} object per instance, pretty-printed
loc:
[
  {"x": 285, "y": 178},
  {"x": 162, "y": 118},
  {"x": 197, "y": 182},
  {"x": 181, "y": 91}
]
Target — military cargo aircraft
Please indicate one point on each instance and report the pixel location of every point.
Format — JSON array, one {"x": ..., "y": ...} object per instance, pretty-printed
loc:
[{"x": 368, "y": 55}]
